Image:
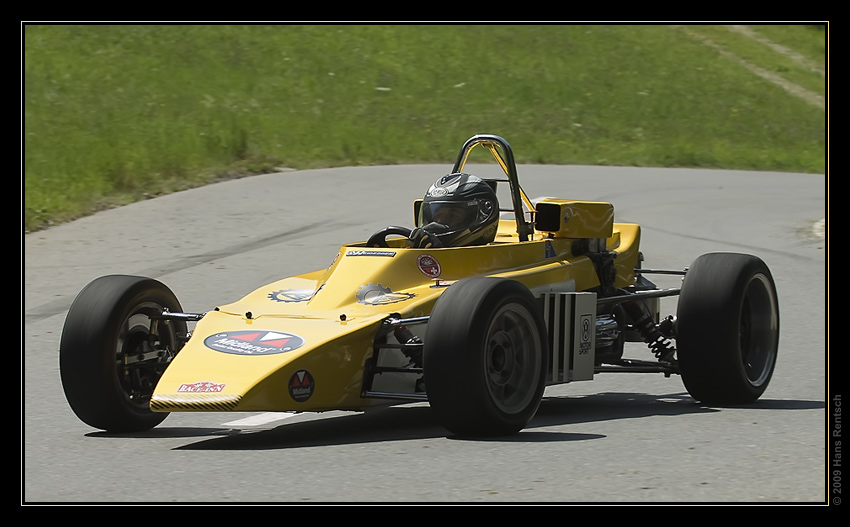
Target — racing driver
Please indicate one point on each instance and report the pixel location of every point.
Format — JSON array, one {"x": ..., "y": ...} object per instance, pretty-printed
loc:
[{"x": 458, "y": 210}]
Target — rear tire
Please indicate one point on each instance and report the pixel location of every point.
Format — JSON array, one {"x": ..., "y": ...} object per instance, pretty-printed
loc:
[
  {"x": 485, "y": 357},
  {"x": 727, "y": 328},
  {"x": 108, "y": 360}
]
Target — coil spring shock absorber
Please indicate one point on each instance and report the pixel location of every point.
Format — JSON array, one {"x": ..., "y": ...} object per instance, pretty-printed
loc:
[
  {"x": 412, "y": 343},
  {"x": 661, "y": 346}
]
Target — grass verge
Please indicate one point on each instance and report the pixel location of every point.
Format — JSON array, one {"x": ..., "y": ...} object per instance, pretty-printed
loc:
[{"x": 118, "y": 113}]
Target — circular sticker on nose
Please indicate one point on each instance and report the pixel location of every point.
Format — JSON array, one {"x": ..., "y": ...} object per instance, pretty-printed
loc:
[
  {"x": 301, "y": 386},
  {"x": 253, "y": 342}
]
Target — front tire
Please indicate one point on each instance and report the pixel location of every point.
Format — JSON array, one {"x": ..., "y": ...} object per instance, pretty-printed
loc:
[
  {"x": 485, "y": 357},
  {"x": 727, "y": 328},
  {"x": 110, "y": 359}
]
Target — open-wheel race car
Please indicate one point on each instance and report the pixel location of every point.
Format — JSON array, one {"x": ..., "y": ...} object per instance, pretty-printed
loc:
[{"x": 548, "y": 295}]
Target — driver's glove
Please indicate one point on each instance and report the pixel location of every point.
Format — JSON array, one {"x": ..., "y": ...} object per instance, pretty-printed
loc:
[{"x": 421, "y": 239}]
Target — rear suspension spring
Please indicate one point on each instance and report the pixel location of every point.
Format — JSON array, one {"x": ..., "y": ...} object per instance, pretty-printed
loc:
[{"x": 661, "y": 346}]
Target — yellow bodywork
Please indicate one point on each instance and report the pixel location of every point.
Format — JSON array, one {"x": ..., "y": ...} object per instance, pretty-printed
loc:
[{"x": 323, "y": 324}]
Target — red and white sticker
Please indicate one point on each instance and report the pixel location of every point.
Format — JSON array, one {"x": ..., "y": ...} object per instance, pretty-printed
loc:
[
  {"x": 429, "y": 265},
  {"x": 201, "y": 387},
  {"x": 253, "y": 342},
  {"x": 301, "y": 386}
]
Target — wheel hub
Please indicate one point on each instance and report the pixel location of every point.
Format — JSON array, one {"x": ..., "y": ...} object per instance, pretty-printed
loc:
[
  {"x": 501, "y": 358},
  {"x": 511, "y": 360}
]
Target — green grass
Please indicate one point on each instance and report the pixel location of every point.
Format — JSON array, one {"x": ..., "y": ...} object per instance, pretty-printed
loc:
[{"x": 118, "y": 113}]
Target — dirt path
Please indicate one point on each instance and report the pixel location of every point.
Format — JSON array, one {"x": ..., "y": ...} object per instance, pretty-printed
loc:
[
  {"x": 794, "y": 89},
  {"x": 779, "y": 48}
]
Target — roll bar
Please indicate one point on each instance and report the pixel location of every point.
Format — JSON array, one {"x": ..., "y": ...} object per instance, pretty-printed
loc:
[{"x": 505, "y": 158}]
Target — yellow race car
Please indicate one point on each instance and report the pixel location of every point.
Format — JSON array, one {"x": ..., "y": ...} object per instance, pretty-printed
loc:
[{"x": 546, "y": 294}]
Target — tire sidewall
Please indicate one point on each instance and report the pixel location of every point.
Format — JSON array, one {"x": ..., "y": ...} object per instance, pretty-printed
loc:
[{"x": 709, "y": 325}]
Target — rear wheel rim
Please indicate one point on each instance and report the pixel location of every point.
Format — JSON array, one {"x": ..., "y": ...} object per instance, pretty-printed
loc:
[{"x": 758, "y": 329}]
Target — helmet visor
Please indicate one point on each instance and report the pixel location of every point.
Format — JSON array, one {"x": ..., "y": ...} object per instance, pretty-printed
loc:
[{"x": 456, "y": 216}]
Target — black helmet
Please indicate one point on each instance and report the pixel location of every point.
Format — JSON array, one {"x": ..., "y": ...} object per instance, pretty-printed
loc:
[{"x": 460, "y": 209}]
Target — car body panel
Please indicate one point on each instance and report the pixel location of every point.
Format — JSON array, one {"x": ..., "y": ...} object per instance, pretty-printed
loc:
[{"x": 322, "y": 325}]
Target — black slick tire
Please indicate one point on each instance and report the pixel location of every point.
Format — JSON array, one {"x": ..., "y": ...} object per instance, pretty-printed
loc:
[
  {"x": 485, "y": 357},
  {"x": 109, "y": 361},
  {"x": 727, "y": 328}
]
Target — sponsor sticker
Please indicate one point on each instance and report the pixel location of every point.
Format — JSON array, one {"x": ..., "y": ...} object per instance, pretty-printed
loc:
[
  {"x": 253, "y": 342},
  {"x": 201, "y": 387},
  {"x": 586, "y": 327},
  {"x": 378, "y": 295},
  {"x": 291, "y": 295},
  {"x": 388, "y": 254},
  {"x": 301, "y": 386},
  {"x": 429, "y": 265}
]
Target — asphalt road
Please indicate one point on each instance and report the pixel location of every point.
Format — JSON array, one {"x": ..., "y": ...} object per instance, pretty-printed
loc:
[{"x": 619, "y": 438}]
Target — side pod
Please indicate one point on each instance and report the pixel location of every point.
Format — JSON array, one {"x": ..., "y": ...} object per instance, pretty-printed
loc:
[{"x": 571, "y": 322}]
